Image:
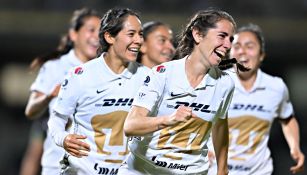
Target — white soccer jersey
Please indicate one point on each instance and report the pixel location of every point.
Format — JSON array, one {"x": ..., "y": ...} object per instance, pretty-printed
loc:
[
  {"x": 251, "y": 114},
  {"x": 179, "y": 149},
  {"x": 52, "y": 73},
  {"x": 99, "y": 101}
]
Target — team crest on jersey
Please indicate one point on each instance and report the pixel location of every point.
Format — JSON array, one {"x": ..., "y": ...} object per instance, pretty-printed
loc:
[
  {"x": 161, "y": 69},
  {"x": 78, "y": 70},
  {"x": 65, "y": 82},
  {"x": 147, "y": 80}
]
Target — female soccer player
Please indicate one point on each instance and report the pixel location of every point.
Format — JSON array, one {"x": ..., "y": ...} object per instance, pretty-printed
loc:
[
  {"x": 158, "y": 44},
  {"x": 78, "y": 46},
  {"x": 98, "y": 95},
  {"x": 181, "y": 101},
  {"x": 259, "y": 98}
]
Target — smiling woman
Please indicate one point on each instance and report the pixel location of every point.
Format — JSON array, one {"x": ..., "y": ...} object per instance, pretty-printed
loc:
[
  {"x": 158, "y": 44},
  {"x": 98, "y": 95},
  {"x": 78, "y": 46},
  {"x": 182, "y": 101},
  {"x": 259, "y": 98}
]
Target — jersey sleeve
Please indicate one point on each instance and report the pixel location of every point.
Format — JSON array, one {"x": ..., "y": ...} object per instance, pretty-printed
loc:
[
  {"x": 45, "y": 80},
  {"x": 151, "y": 90},
  {"x": 227, "y": 98},
  {"x": 286, "y": 108},
  {"x": 70, "y": 91}
]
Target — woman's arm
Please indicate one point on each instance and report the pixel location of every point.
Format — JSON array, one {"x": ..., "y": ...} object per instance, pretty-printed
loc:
[
  {"x": 38, "y": 103},
  {"x": 220, "y": 138},
  {"x": 72, "y": 143},
  {"x": 290, "y": 130},
  {"x": 138, "y": 123}
]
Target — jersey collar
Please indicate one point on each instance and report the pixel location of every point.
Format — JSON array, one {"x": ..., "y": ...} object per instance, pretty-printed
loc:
[
  {"x": 127, "y": 73},
  {"x": 73, "y": 59},
  {"x": 257, "y": 85},
  {"x": 210, "y": 79}
]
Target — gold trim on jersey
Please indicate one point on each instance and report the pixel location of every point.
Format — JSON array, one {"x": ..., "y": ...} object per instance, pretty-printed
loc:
[
  {"x": 187, "y": 136},
  {"x": 247, "y": 131},
  {"x": 114, "y": 123}
]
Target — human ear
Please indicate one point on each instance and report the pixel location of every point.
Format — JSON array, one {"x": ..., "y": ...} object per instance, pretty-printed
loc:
[
  {"x": 73, "y": 35},
  {"x": 197, "y": 35},
  {"x": 143, "y": 48},
  {"x": 107, "y": 36}
]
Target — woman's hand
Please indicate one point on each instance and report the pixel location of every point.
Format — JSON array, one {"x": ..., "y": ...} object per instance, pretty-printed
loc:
[
  {"x": 75, "y": 145},
  {"x": 299, "y": 158},
  {"x": 182, "y": 114}
]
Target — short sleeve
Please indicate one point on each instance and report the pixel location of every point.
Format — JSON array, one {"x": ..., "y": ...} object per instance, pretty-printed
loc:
[
  {"x": 46, "y": 79},
  {"x": 68, "y": 96},
  {"x": 151, "y": 90},
  {"x": 227, "y": 98},
  {"x": 286, "y": 108}
]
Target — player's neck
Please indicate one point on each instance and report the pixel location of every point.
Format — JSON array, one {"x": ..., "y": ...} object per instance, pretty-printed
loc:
[
  {"x": 146, "y": 62},
  {"x": 247, "y": 79},
  {"x": 116, "y": 65},
  {"x": 194, "y": 72}
]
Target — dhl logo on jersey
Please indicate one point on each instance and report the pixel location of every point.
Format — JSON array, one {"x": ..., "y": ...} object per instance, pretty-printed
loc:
[
  {"x": 116, "y": 102},
  {"x": 248, "y": 107},
  {"x": 194, "y": 106}
]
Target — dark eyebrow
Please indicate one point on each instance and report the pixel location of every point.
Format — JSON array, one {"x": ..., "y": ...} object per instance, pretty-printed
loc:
[
  {"x": 131, "y": 30},
  {"x": 161, "y": 36},
  {"x": 225, "y": 33}
]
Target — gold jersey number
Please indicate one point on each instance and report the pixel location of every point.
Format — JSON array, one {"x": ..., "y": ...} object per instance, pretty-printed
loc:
[
  {"x": 246, "y": 133},
  {"x": 187, "y": 136},
  {"x": 109, "y": 135}
]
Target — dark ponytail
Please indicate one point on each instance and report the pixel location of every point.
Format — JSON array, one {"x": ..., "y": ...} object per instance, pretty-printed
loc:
[
  {"x": 65, "y": 44},
  {"x": 64, "y": 47},
  {"x": 228, "y": 63}
]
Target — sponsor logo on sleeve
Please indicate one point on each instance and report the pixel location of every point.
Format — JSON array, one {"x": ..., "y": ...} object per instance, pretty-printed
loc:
[
  {"x": 161, "y": 69},
  {"x": 78, "y": 70}
]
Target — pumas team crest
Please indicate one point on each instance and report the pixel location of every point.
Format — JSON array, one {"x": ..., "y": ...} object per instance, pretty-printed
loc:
[
  {"x": 64, "y": 83},
  {"x": 78, "y": 70},
  {"x": 147, "y": 80},
  {"x": 161, "y": 69}
]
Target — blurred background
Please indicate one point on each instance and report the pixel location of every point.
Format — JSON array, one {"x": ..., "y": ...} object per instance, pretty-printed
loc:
[{"x": 29, "y": 28}]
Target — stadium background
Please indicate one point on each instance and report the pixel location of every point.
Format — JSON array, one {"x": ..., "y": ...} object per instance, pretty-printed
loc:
[{"x": 33, "y": 27}]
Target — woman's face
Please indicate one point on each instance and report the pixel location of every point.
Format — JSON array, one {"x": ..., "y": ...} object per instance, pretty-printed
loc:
[
  {"x": 158, "y": 47},
  {"x": 86, "y": 40},
  {"x": 127, "y": 43},
  {"x": 246, "y": 49},
  {"x": 216, "y": 43}
]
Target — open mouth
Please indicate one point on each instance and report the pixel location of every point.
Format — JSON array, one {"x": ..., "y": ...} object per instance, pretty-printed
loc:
[
  {"x": 94, "y": 44},
  {"x": 167, "y": 55},
  {"x": 134, "y": 49},
  {"x": 219, "y": 54},
  {"x": 242, "y": 60}
]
